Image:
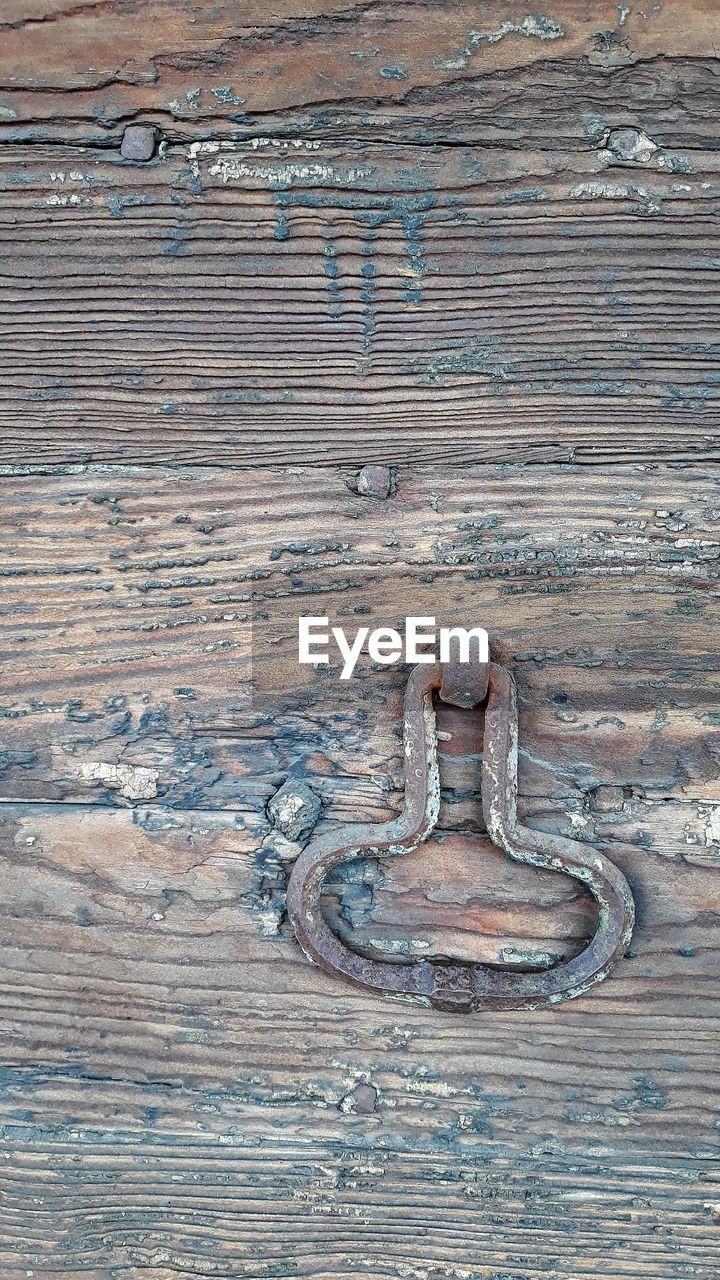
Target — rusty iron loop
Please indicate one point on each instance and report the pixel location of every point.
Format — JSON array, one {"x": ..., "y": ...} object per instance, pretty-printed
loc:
[{"x": 438, "y": 982}]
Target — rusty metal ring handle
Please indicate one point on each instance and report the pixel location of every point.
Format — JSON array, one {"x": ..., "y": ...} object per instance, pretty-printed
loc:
[{"x": 457, "y": 985}]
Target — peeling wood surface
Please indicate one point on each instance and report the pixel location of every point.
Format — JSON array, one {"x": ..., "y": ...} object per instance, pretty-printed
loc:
[
  {"x": 177, "y": 1079},
  {"x": 425, "y": 70},
  {"x": 311, "y": 303}
]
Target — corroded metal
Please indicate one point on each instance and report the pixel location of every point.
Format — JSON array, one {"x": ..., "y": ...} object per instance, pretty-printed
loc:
[
  {"x": 456, "y": 985},
  {"x": 138, "y": 142}
]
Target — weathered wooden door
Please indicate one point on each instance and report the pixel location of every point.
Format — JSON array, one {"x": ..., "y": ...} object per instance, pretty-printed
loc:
[{"x": 247, "y": 251}]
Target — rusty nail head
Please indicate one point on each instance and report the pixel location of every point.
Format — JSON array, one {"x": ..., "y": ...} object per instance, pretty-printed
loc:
[
  {"x": 365, "y": 1098},
  {"x": 607, "y": 799},
  {"x": 374, "y": 481},
  {"x": 631, "y": 144},
  {"x": 138, "y": 142}
]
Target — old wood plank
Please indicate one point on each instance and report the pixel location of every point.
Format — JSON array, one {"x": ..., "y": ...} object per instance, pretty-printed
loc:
[
  {"x": 314, "y": 303},
  {"x": 144, "y": 935},
  {"x": 456, "y": 895},
  {"x": 620, "y": 693},
  {"x": 204, "y": 1210},
  {"x": 397, "y": 232},
  {"x": 178, "y": 1082},
  {"x": 423, "y": 72},
  {"x": 117, "y": 1208},
  {"x": 133, "y": 596}
]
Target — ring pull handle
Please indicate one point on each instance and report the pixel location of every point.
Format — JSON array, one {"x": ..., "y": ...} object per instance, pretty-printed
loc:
[{"x": 458, "y": 985}]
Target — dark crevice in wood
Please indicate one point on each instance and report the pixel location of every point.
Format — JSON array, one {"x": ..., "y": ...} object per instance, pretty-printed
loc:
[
  {"x": 564, "y": 90},
  {"x": 66, "y": 806},
  {"x": 579, "y": 458}
]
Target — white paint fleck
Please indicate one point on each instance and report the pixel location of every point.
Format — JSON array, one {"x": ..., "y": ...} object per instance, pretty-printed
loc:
[
  {"x": 436, "y": 1088},
  {"x": 213, "y": 147},
  {"x": 631, "y": 144},
  {"x": 62, "y": 200},
  {"x": 284, "y": 144},
  {"x": 606, "y": 190},
  {"x": 532, "y": 26},
  {"x": 134, "y": 782},
  {"x": 710, "y": 816},
  {"x": 284, "y": 174},
  {"x": 578, "y": 822},
  {"x": 268, "y": 919}
]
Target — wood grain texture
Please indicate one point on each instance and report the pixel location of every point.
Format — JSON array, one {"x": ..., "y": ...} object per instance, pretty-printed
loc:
[
  {"x": 178, "y": 1083},
  {"x": 390, "y": 231},
  {"x": 424, "y": 71},
  {"x": 352, "y": 1209},
  {"x": 307, "y": 303},
  {"x": 131, "y": 596}
]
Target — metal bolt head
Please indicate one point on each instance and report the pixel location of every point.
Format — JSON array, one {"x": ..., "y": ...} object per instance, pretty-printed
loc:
[
  {"x": 374, "y": 481},
  {"x": 138, "y": 142}
]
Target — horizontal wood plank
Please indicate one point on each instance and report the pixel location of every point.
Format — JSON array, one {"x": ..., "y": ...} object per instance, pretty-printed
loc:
[
  {"x": 203, "y": 1208},
  {"x": 309, "y": 303},
  {"x": 151, "y": 627},
  {"x": 424, "y": 72},
  {"x": 150, "y": 975},
  {"x": 144, "y": 934},
  {"x": 118, "y": 1207},
  {"x": 177, "y": 1079},
  {"x": 170, "y": 1060}
]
